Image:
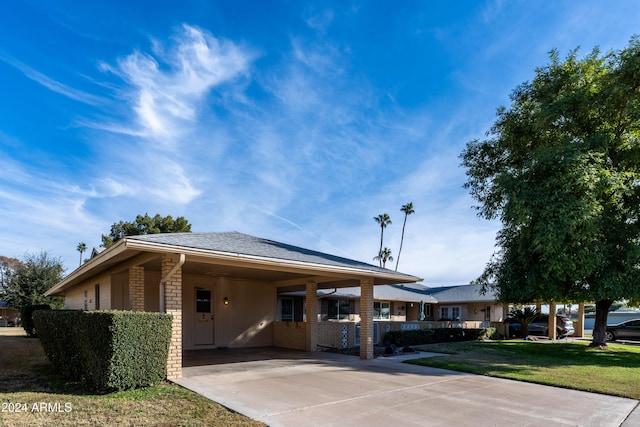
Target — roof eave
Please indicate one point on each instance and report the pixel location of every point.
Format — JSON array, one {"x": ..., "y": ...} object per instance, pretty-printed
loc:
[
  {"x": 125, "y": 244},
  {"x": 109, "y": 253},
  {"x": 267, "y": 261}
]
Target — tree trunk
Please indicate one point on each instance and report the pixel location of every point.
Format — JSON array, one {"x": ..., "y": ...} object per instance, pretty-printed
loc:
[{"x": 600, "y": 327}]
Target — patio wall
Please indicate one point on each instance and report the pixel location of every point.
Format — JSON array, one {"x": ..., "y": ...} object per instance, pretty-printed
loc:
[
  {"x": 289, "y": 335},
  {"x": 344, "y": 334}
]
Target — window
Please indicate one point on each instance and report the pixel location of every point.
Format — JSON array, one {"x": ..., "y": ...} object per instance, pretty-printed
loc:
[
  {"x": 86, "y": 301},
  {"x": 487, "y": 313},
  {"x": 382, "y": 310},
  {"x": 97, "y": 297},
  {"x": 450, "y": 313},
  {"x": 428, "y": 311},
  {"x": 286, "y": 310},
  {"x": 203, "y": 301},
  {"x": 338, "y": 309}
]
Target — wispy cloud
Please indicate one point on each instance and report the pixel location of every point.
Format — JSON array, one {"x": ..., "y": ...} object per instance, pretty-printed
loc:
[
  {"x": 166, "y": 88},
  {"x": 52, "y": 84}
]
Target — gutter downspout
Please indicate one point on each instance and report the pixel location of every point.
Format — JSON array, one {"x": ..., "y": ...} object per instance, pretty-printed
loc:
[{"x": 175, "y": 268}]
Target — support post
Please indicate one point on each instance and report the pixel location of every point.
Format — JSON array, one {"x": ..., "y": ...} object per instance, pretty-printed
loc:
[
  {"x": 366, "y": 319},
  {"x": 172, "y": 277},
  {"x": 136, "y": 288},
  {"x": 311, "y": 336}
]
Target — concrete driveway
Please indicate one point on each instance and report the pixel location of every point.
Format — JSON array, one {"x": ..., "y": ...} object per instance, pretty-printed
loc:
[{"x": 286, "y": 388}]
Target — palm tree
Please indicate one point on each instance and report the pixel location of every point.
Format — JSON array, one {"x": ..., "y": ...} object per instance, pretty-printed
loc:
[
  {"x": 383, "y": 220},
  {"x": 82, "y": 246},
  {"x": 408, "y": 210},
  {"x": 384, "y": 256},
  {"x": 525, "y": 316}
]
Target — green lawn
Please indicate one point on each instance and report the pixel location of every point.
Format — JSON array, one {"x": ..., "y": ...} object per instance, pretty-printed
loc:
[
  {"x": 31, "y": 393},
  {"x": 563, "y": 364}
]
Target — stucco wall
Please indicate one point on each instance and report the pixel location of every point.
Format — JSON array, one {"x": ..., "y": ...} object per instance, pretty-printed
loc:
[
  {"x": 246, "y": 321},
  {"x": 152, "y": 291},
  {"x": 120, "y": 291},
  {"x": 75, "y": 298}
]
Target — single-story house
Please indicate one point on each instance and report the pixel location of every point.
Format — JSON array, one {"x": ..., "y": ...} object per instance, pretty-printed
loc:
[
  {"x": 467, "y": 303},
  {"x": 9, "y": 316},
  {"x": 222, "y": 289}
]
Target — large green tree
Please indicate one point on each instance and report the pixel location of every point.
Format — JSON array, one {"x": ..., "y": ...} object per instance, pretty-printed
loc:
[
  {"x": 29, "y": 279},
  {"x": 146, "y": 225},
  {"x": 561, "y": 169},
  {"x": 7, "y": 266}
]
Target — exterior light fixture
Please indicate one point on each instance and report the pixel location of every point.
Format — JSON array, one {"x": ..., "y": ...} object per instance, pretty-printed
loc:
[{"x": 225, "y": 301}]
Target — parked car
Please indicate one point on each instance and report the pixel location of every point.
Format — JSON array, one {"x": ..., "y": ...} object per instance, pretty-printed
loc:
[
  {"x": 7, "y": 322},
  {"x": 629, "y": 330},
  {"x": 540, "y": 326}
]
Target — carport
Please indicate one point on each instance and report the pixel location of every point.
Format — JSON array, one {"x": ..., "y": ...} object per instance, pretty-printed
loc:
[{"x": 221, "y": 288}]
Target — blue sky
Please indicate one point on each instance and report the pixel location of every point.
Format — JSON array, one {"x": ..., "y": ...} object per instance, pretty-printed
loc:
[{"x": 294, "y": 121}]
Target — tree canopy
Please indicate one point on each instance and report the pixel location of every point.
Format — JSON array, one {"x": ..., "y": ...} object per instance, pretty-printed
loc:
[
  {"x": 146, "y": 225},
  {"x": 30, "y": 278},
  {"x": 561, "y": 169}
]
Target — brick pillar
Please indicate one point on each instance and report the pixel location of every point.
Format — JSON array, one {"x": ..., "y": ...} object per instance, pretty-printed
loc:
[
  {"x": 366, "y": 319},
  {"x": 173, "y": 306},
  {"x": 579, "y": 326},
  {"x": 311, "y": 325},
  {"x": 136, "y": 288}
]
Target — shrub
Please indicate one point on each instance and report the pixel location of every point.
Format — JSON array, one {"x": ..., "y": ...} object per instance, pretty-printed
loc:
[
  {"x": 430, "y": 336},
  {"x": 408, "y": 338},
  {"x": 107, "y": 349},
  {"x": 26, "y": 313}
]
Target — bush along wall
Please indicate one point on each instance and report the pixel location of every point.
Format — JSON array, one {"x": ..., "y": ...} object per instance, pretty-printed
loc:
[
  {"x": 431, "y": 336},
  {"x": 108, "y": 350},
  {"x": 26, "y": 314}
]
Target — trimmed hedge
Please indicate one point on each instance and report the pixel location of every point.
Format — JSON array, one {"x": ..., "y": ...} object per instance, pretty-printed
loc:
[
  {"x": 26, "y": 314},
  {"x": 431, "y": 336},
  {"x": 107, "y": 350}
]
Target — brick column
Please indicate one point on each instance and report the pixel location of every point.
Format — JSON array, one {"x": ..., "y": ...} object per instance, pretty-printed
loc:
[
  {"x": 136, "y": 288},
  {"x": 173, "y": 306},
  {"x": 311, "y": 325},
  {"x": 366, "y": 319}
]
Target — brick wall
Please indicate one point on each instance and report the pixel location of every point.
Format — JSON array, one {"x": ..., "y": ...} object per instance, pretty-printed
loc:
[
  {"x": 290, "y": 335},
  {"x": 340, "y": 335},
  {"x": 136, "y": 288}
]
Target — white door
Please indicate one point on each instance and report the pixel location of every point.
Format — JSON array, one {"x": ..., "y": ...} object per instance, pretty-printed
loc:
[{"x": 203, "y": 326}]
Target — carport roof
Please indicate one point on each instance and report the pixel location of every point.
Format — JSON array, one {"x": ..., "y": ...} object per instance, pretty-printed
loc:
[
  {"x": 244, "y": 244},
  {"x": 233, "y": 254}
]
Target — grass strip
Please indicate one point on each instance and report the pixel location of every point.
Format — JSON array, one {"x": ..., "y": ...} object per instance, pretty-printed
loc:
[
  {"x": 31, "y": 393},
  {"x": 571, "y": 365}
]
